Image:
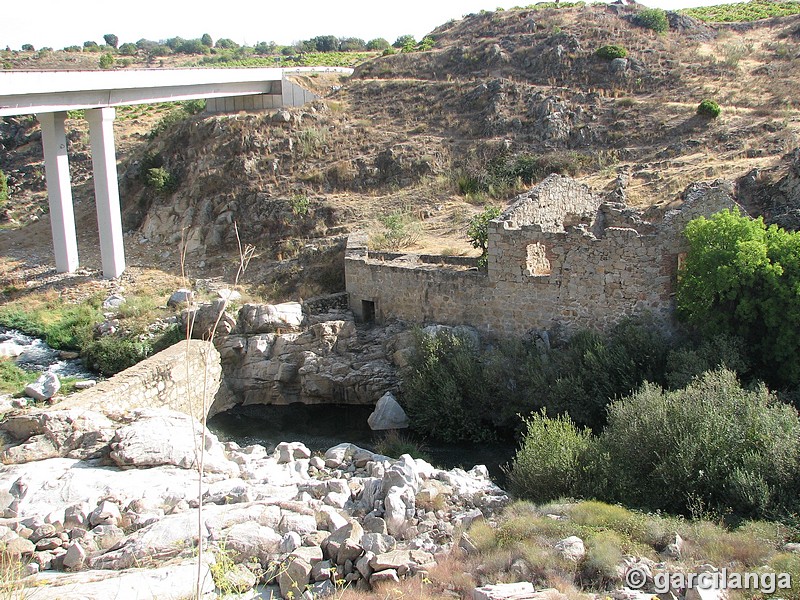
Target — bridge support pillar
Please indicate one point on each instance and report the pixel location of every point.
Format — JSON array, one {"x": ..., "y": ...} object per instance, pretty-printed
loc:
[
  {"x": 106, "y": 190},
  {"x": 59, "y": 191}
]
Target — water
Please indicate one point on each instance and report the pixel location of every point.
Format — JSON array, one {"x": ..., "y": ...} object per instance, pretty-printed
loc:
[
  {"x": 322, "y": 426},
  {"x": 36, "y": 355}
]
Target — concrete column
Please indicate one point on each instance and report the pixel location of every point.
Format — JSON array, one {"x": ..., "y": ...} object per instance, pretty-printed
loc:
[
  {"x": 106, "y": 190},
  {"x": 59, "y": 191}
]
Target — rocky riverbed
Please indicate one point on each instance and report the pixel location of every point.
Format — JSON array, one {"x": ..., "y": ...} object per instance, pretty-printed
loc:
[{"x": 97, "y": 506}]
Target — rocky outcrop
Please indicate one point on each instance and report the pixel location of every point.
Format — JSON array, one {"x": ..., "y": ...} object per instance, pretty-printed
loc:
[
  {"x": 331, "y": 361},
  {"x": 296, "y": 519}
]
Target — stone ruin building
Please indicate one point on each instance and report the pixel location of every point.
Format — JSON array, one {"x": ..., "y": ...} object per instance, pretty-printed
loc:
[{"x": 561, "y": 258}]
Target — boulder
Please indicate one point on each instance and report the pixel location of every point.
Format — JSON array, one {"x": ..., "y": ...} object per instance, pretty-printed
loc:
[
  {"x": 113, "y": 302},
  {"x": 294, "y": 575},
  {"x": 43, "y": 388},
  {"x": 106, "y": 513},
  {"x": 345, "y": 543},
  {"x": 388, "y": 414},
  {"x": 239, "y": 579},
  {"x": 75, "y": 557},
  {"x": 289, "y": 451},
  {"x": 10, "y": 349},
  {"x": 206, "y": 319},
  {"x": 504, "y": 591},
  {"x": 181, "y": 296},
  {"x": 269, "y": 318},
  {"x": 249, "y": 540},
  {"x": 571, "y": 548}
]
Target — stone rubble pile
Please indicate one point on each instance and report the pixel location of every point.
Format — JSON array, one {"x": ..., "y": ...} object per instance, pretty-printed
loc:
[{"x": 85, "y": 492}]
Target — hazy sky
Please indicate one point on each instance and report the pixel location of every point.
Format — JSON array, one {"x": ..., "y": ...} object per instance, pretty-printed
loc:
[{"x": 60, "y": 23}]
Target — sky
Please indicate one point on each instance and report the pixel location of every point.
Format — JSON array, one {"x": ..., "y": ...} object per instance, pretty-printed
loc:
[{"x": 60, "y": 23}]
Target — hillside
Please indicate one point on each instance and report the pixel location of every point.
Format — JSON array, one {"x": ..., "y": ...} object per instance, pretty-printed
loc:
[{"x": 415, "y": 143}]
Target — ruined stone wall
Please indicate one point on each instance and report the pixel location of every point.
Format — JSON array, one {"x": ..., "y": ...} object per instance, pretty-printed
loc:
[
  {"x": 556, "y": 201},
  {"x": 173, "y": 378},
  {"x": 611, "y": 265}
]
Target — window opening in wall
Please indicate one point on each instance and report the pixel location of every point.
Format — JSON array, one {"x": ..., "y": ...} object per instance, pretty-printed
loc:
[
  {"x": 537, "y": 262},
  {"x": 368, "y": 311}
]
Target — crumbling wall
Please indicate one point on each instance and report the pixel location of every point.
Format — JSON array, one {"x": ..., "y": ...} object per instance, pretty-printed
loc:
[{"x": 586, "y": 272}]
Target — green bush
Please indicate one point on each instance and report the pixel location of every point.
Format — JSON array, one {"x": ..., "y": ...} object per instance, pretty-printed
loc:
[
  {"x": 111, "y": 354},
  {"x": 13, "y": 379},
  {"x": 478, "y": 230},
  {"x": 713, "y": 444},
  {"x": 447, "y": 379},
  {"x": 161, "y": 180},
  {"x": 652, "y": 18},
  {"x": 3, "y": 187},
  {"x": 708, "y": 108},
  {"x": 547, "y": 465},
  {"x": 611, "y": 52},
  {"x": 107, "y": 61},
  {"x": 740, "y": 278}
]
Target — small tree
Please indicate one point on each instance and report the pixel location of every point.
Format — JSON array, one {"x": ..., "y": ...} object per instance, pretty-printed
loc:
[
  {"x": 377, "y": 45},
  {"x": 107, "y": 61},
  {"x": 28, "y": 48},
  {"x": 405, "y": 40},
  {"x": 611, "y": 51},
  {"x": 226, "y": 44},
  {"x": 207, "y": 40},
  {"x": 128, "y": 49},
  {"x": 111, "y": 39},
  {"x": 478, "y": 230},
  {"x": 652, "y": 18}
]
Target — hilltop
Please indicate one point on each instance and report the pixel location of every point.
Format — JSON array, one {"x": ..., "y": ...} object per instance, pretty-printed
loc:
[{"x": 416, "y": 142}]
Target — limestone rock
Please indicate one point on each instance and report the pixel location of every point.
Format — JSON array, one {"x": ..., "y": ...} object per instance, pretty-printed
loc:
[
  {"x": 43, "y": 388},
  {"x": 387, "y": 575},
  {"x": 268, "y": 318},
  {"x": 294, "y": 576},
  {"x": 504, "y": 591},
  {"x": 288, "y": 452},
  {"x": 113, "y": 302},
  {"x": 239, "y": 579},
  {"x": 247, "y": 540},
  {"x": 388, "y": 414},
  {"x": 181, "y": 296},
  {"x": 345, "y": 543},
  {"x": 107, "y": 513},
  {"x": 571, "y": 548},
  {"x": 75, "y": 557}
]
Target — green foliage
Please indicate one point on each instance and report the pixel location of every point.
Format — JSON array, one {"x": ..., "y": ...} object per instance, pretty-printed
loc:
[
  {"x": 610, "y": 52},
  {"x": 446, "y": 379},
  {"x": 13, "y": 379},
  {"x": 225, "y": 43},
  {"x": 427, "y": 43},
  {"x": 400, "y": 230},
  {"x": 28, "y": 48},
  {"x": 111, "y": 40},
  {"x": 708, "y": 108},
  {"x": 194, "y": 107},
  {"x": 161, "y": 180},
  {"x": 740, "y": 278},
  {"x": 63, "y": 326},
  {"x": 478, "y": 229},
  {"x": 744, "y": 11},
  {"x": 206, "y": 40},
  {"x": 712, "y": 444},
  {"x": 652, "y": 18},
  {"x": 404, "y": 41},
  {"x": 300, "y": 204},
  {"x": 111, "y": 354},
  {"x": 107, "y": 61},
  {"x": 395, "y": 444},
  {"x": 377, "y": 45},
  {"x": 547, "y": 465},
  {"x": 128, "y": 49},
  {"x": 3, "y": 187}
]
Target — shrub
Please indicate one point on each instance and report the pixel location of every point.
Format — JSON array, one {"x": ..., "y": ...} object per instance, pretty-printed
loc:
[
  {"x": 28, "y": 48},
  {"x": 611, "y": 52},
  {"x": 107, "y": 61},
  {"x": 740, "y": 279},
  {"x": 713, "y": 444},
  {"x": 400, "y": 231},
  {"x": 547, "y": 465},
  {"x": 128, "y": 49},
  {"x": 111, "y": 39},
  {"x": 3, "y": 187},
  {"x": 708, "y": 108},
  {"x": 478, "y": 230},
  {"x": 395, "y": 444},
  {"x": 160, "y": 180},
  {"x": 377, "y": 45},
  {"x": 652, "y": 18},
  {"x": 13, "y": 379},
  {"x": 111, "y": 354}
]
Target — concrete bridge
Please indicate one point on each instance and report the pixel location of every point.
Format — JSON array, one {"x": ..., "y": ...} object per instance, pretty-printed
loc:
[{"x": 50, "y": 94}]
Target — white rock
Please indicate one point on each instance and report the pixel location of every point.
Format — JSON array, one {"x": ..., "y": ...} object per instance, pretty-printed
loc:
[
  {"x": 114, "y": 301},
  {"x": 290, "y": 542},
  {"x": 504, "y": 591},
  {"x": 289, "y": 451},
  {"x": 10, "y": 349},
  {"x": 248, "y": 540},
  {"x": 43, "y": 388},
  {"x": 388, "y": 414},
  {"x": 571, "y": 548},
  {"x": 229, "y": 295},
  {"x": 85, "y": 384},
  {"x": 107, "y": 513},
  {"x": 75, "y": 557}
]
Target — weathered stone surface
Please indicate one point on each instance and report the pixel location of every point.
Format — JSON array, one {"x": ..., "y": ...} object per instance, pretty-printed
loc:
[
  {"x": 239, "y": 579},
  {"x": 504, "y": 591},
  {"x": 385, "y": 576},
  {"x": 181, "y": 296},
  {"x": 378, "y": 543},
  {"x": 345, "y": 543},
  {"x": 287, "y": 452},
  {"x": 571, "y": 548},
  {"x": 249, "y": 540},
  {"x": 20, "y": 547},
  {"x": 294, "y": 576},
  {"x": 75, "y": 557},
  {"x": 158, "y": 437},
  {"x": 388, "y": 414},
  {"x": 43, "y": 388},
  {"x": 269, "y": 318}
]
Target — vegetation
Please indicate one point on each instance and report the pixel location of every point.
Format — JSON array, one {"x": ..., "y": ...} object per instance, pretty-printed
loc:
[
  {"x": 3, "y": 188},
  {"x": 652, "y": 18},
  {"x": 161, "y": 180},
  {"x": 610, "y": 52},
  {"x": 478, "y": 230},
  {"x": 753, "y": 10},
  {"x": 13, "y": 379},
  {"x": 396, "y": 444},
  {"x": 708, "y": 108},
  {"x": 107, "y": 61},
  {"x": 400, "y": 230},
  {"x": 740, "y": 278}
]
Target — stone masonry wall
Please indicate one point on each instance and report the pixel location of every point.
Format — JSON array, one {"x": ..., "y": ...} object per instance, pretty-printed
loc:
[
  {"x": 590, "y": 273},
  {"x": 173, "y": 378}
]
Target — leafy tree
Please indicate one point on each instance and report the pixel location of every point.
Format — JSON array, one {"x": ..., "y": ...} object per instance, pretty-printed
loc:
[
  {"x": 226, "y": 44},
  {"x": 146, "y": 45},
  {"x": 111, "y": 39},
  {"x": 207, "y": 40},
  {"x": 742, "y": 278},
  {"x": 265, "y": 48},
  {"x": 352, "y": 44},
  {"x": 107, "y": 61},
  {"x": 325, "y": 43},
  {"x": 175, "y": 43},
  {"x": 28, "y": 47},
  {"x": 72, "y": 49},
  {"x": 194, "y": 46},
  {"x": 427, "y": 43},
  {"x": 91, "y": 46},
  {"x": 404, "y": 40},
  {"x": 478, "y": 229},
  {"x": 377, "y": 45},
  {"x": 128, "y": 49}
]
